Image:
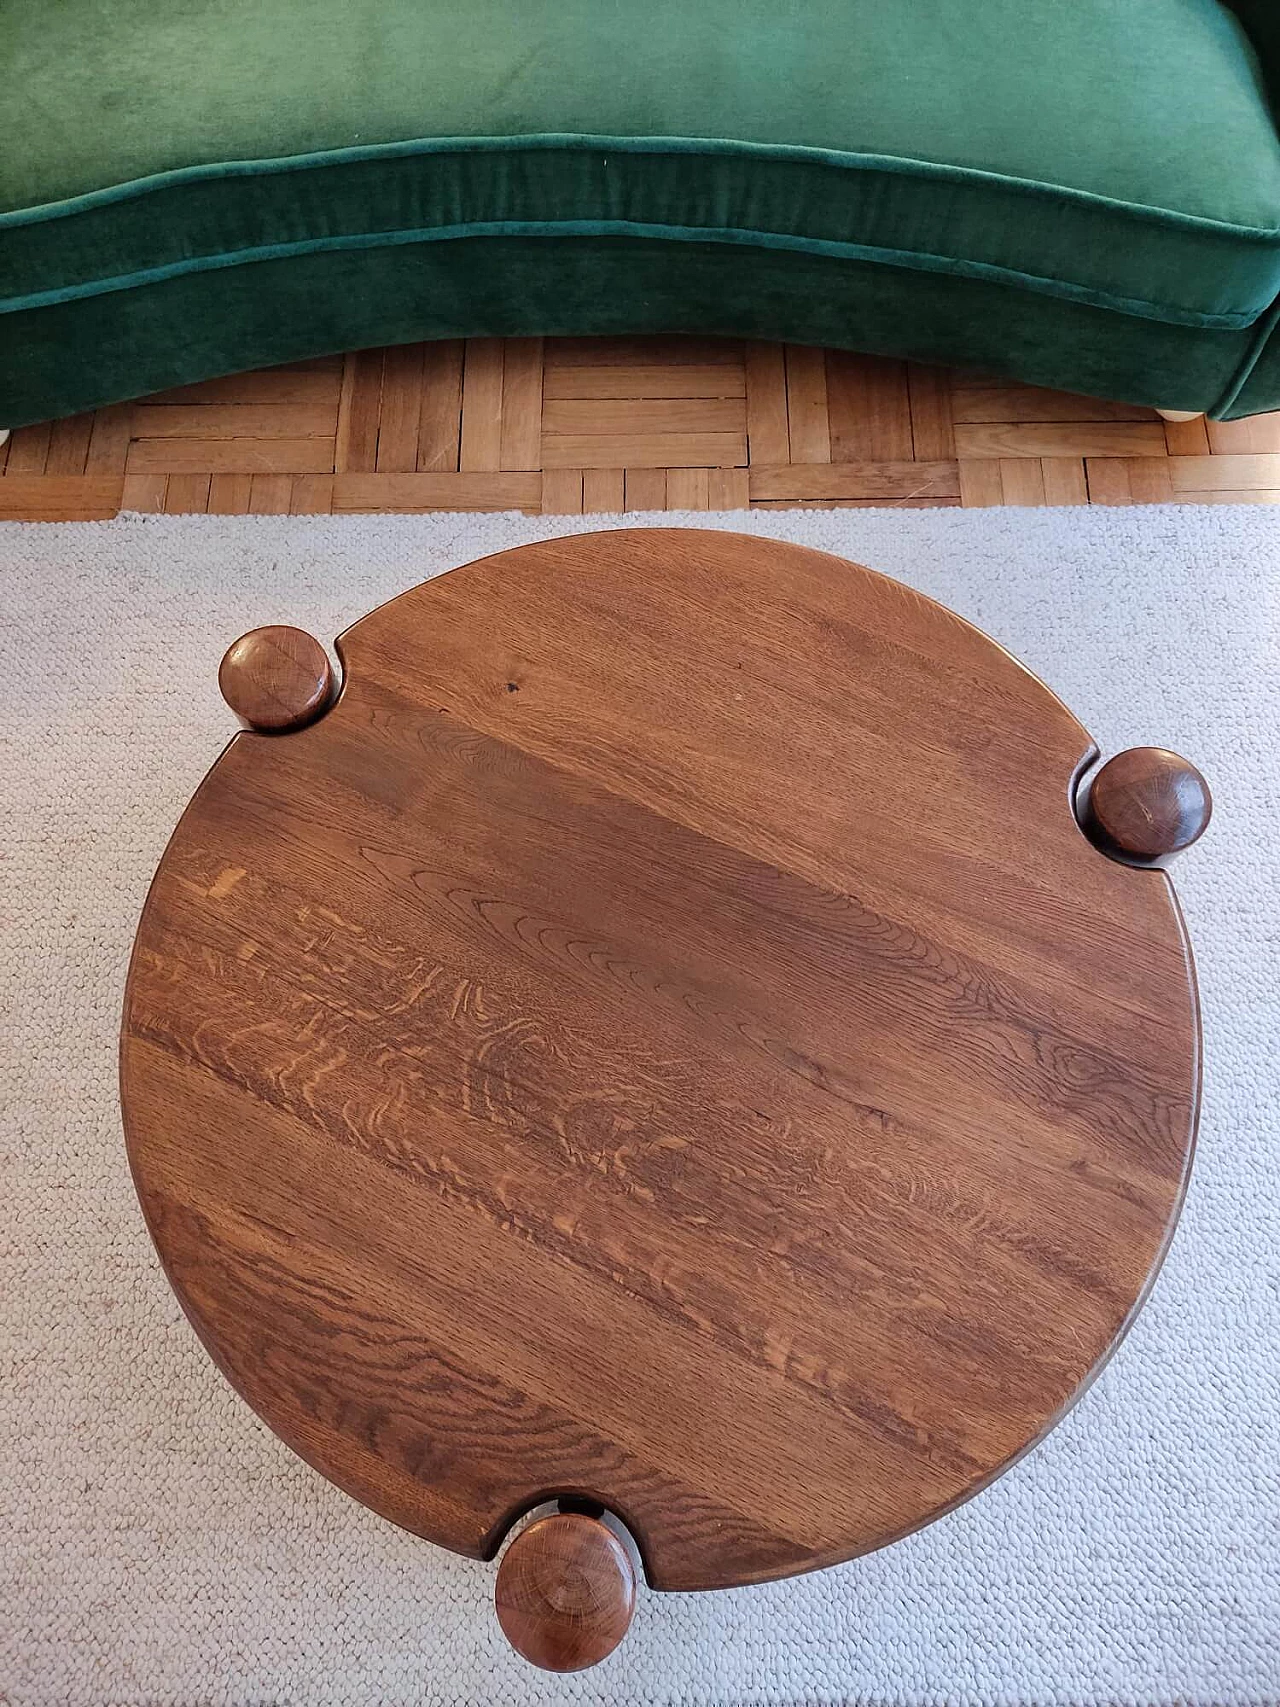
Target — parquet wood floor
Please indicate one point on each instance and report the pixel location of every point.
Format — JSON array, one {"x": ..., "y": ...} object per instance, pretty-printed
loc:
[{"x": 567, "y": 425}]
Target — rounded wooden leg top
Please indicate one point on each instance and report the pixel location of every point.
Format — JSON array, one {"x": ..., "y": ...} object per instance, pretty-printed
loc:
[
  {"x": 276, "y": 679},
  {"x": 565, "y": 1592},
  {"x": 1147, "y": 804}
]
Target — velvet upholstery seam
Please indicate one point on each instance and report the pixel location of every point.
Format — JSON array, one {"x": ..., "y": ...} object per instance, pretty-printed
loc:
[
  {"x": 918, "y": 260},
  {"x": 903, "y": 165}
]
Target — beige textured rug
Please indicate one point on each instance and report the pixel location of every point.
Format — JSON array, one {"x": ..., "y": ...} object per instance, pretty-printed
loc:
[{"x": 158, "y": 1545}]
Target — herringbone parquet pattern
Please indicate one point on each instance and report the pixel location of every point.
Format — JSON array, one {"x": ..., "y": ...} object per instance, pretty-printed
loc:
[{"x": 570, "y": 425}]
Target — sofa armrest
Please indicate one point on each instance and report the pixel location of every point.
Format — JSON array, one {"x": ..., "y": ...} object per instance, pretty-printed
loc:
[{"x": 1260, "y": 20}]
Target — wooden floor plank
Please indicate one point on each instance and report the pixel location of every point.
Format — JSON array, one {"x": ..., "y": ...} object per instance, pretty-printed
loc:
[
  {"x": 69, "y": 445},
  {"x": 144, "y": 492},
  {"x": 440, "y": 420},
  {"x": 1187, "y": 438},
  {"x": 470, "y": 490},
  {"x": 765, "y": 374},
  {"x": 270, "y": 495},
  {"x": 688, "y": 489},
  {"x": 1130, "y": 480},
  {"x": 522, "y": 404},
  {"x": 401, "y": 410},
  {"x": 1149, "y": 479},
  {"x": 233, "y": 421},
  {"x": 312, "y": 495},
  {"x": 980, "y": 482},
  {"x": 1022, "y": 480},
  {"x": 59, "y": 497},
  {"x": 634, "y": 416},
  {"x": 1108, "y": 480},
  {"x": 646, "y": 488},
  {"x": 109, "y": 440},
  {"x": 359, "y": 408},
  {"x": 652, "y": 450},
  {"x": 828, "y": 481},
  {"x": 187, "y": 495},
  {"x": 1257, "y": 433},
  {"x": 29, "y": 449},
  {"x": 603, "y": 491},
  {"x": 807, "y": 419},
  {"x": 1225, "y": 473},
  {"x": 229, "y": 494},
  {"x": 680, "y": 379},
  {"x": 729, "y": 488},
  {"x": 230, "y": 456},
  {"x": 933, "y": 436},
  {"x": 562, "y": 490},
  {"x": 868, "y": 409},
  {"x": 1084, "y": 438},
  {"x": 1064, "y": 480},
  {"x": 482, "y": 405},
  {"x": 857, "y": 504}
]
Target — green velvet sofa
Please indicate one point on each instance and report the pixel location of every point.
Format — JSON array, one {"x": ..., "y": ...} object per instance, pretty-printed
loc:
[{"x": 1077, "y": 193}]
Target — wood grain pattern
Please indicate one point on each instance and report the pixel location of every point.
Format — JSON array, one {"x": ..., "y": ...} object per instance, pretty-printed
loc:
[
  {"x": 566, "y": 1592},
  {"x": 145, "y": 493},
  {"x": 29, "y": 450},
  {"x": 869, "y": 409},
  {"x": 831, "y": 481},
  {"x": 1022, "y": 479},
  {"x": 69, "y": 445},
  {"x": 109, "y": 440},
  {"x": 768, "y": 426},
  {"x": 359, "y": 412},
  {"x": 1036, "y": 439},
  {"x": 1064, "y": 480},
  {"x": 933, "y": 436},
  {"x": 1148, "y": 804},
  {"x": 188, "y": 494},
  {"x": 276, "y": 679},
  {"x": 440, "y": 421},
  {"x": 229, "y": 494},
  {"x": 660, "y": 1038},
  {"x": 849, "y": 428},
  {"x": 400, "y": 411},
  {"x": 61, "y": 497},
  {"x": 482, "y": 406},
  {"x": 230, "y": 456},
  {"x": 808, "y": 417},
  {"x": 411, "y": 492},
  {"x": 270, "y": 494},
  {"x": 643, "y": 450},
  {"x": 522, "y": 403}
]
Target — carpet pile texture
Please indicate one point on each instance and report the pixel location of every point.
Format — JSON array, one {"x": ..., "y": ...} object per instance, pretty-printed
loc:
[{"x": 158, "y": 1545}]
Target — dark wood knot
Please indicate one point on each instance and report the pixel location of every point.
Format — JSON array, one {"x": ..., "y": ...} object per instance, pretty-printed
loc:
[
  {"x": 565, "y": 1592},
  {"x": 1147, "y": 804},
  {"x": 276, "y": 679}
]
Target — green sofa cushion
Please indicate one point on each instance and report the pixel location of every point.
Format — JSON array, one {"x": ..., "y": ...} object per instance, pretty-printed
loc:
[{"x": 1113, "y": 152}]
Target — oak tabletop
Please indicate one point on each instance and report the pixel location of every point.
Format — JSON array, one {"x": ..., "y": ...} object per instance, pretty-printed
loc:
[{"x": 660, "y": 1037}]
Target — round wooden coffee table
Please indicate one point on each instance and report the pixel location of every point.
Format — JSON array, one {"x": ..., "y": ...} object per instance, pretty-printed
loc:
[{"x": 659, "y": 1042}]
